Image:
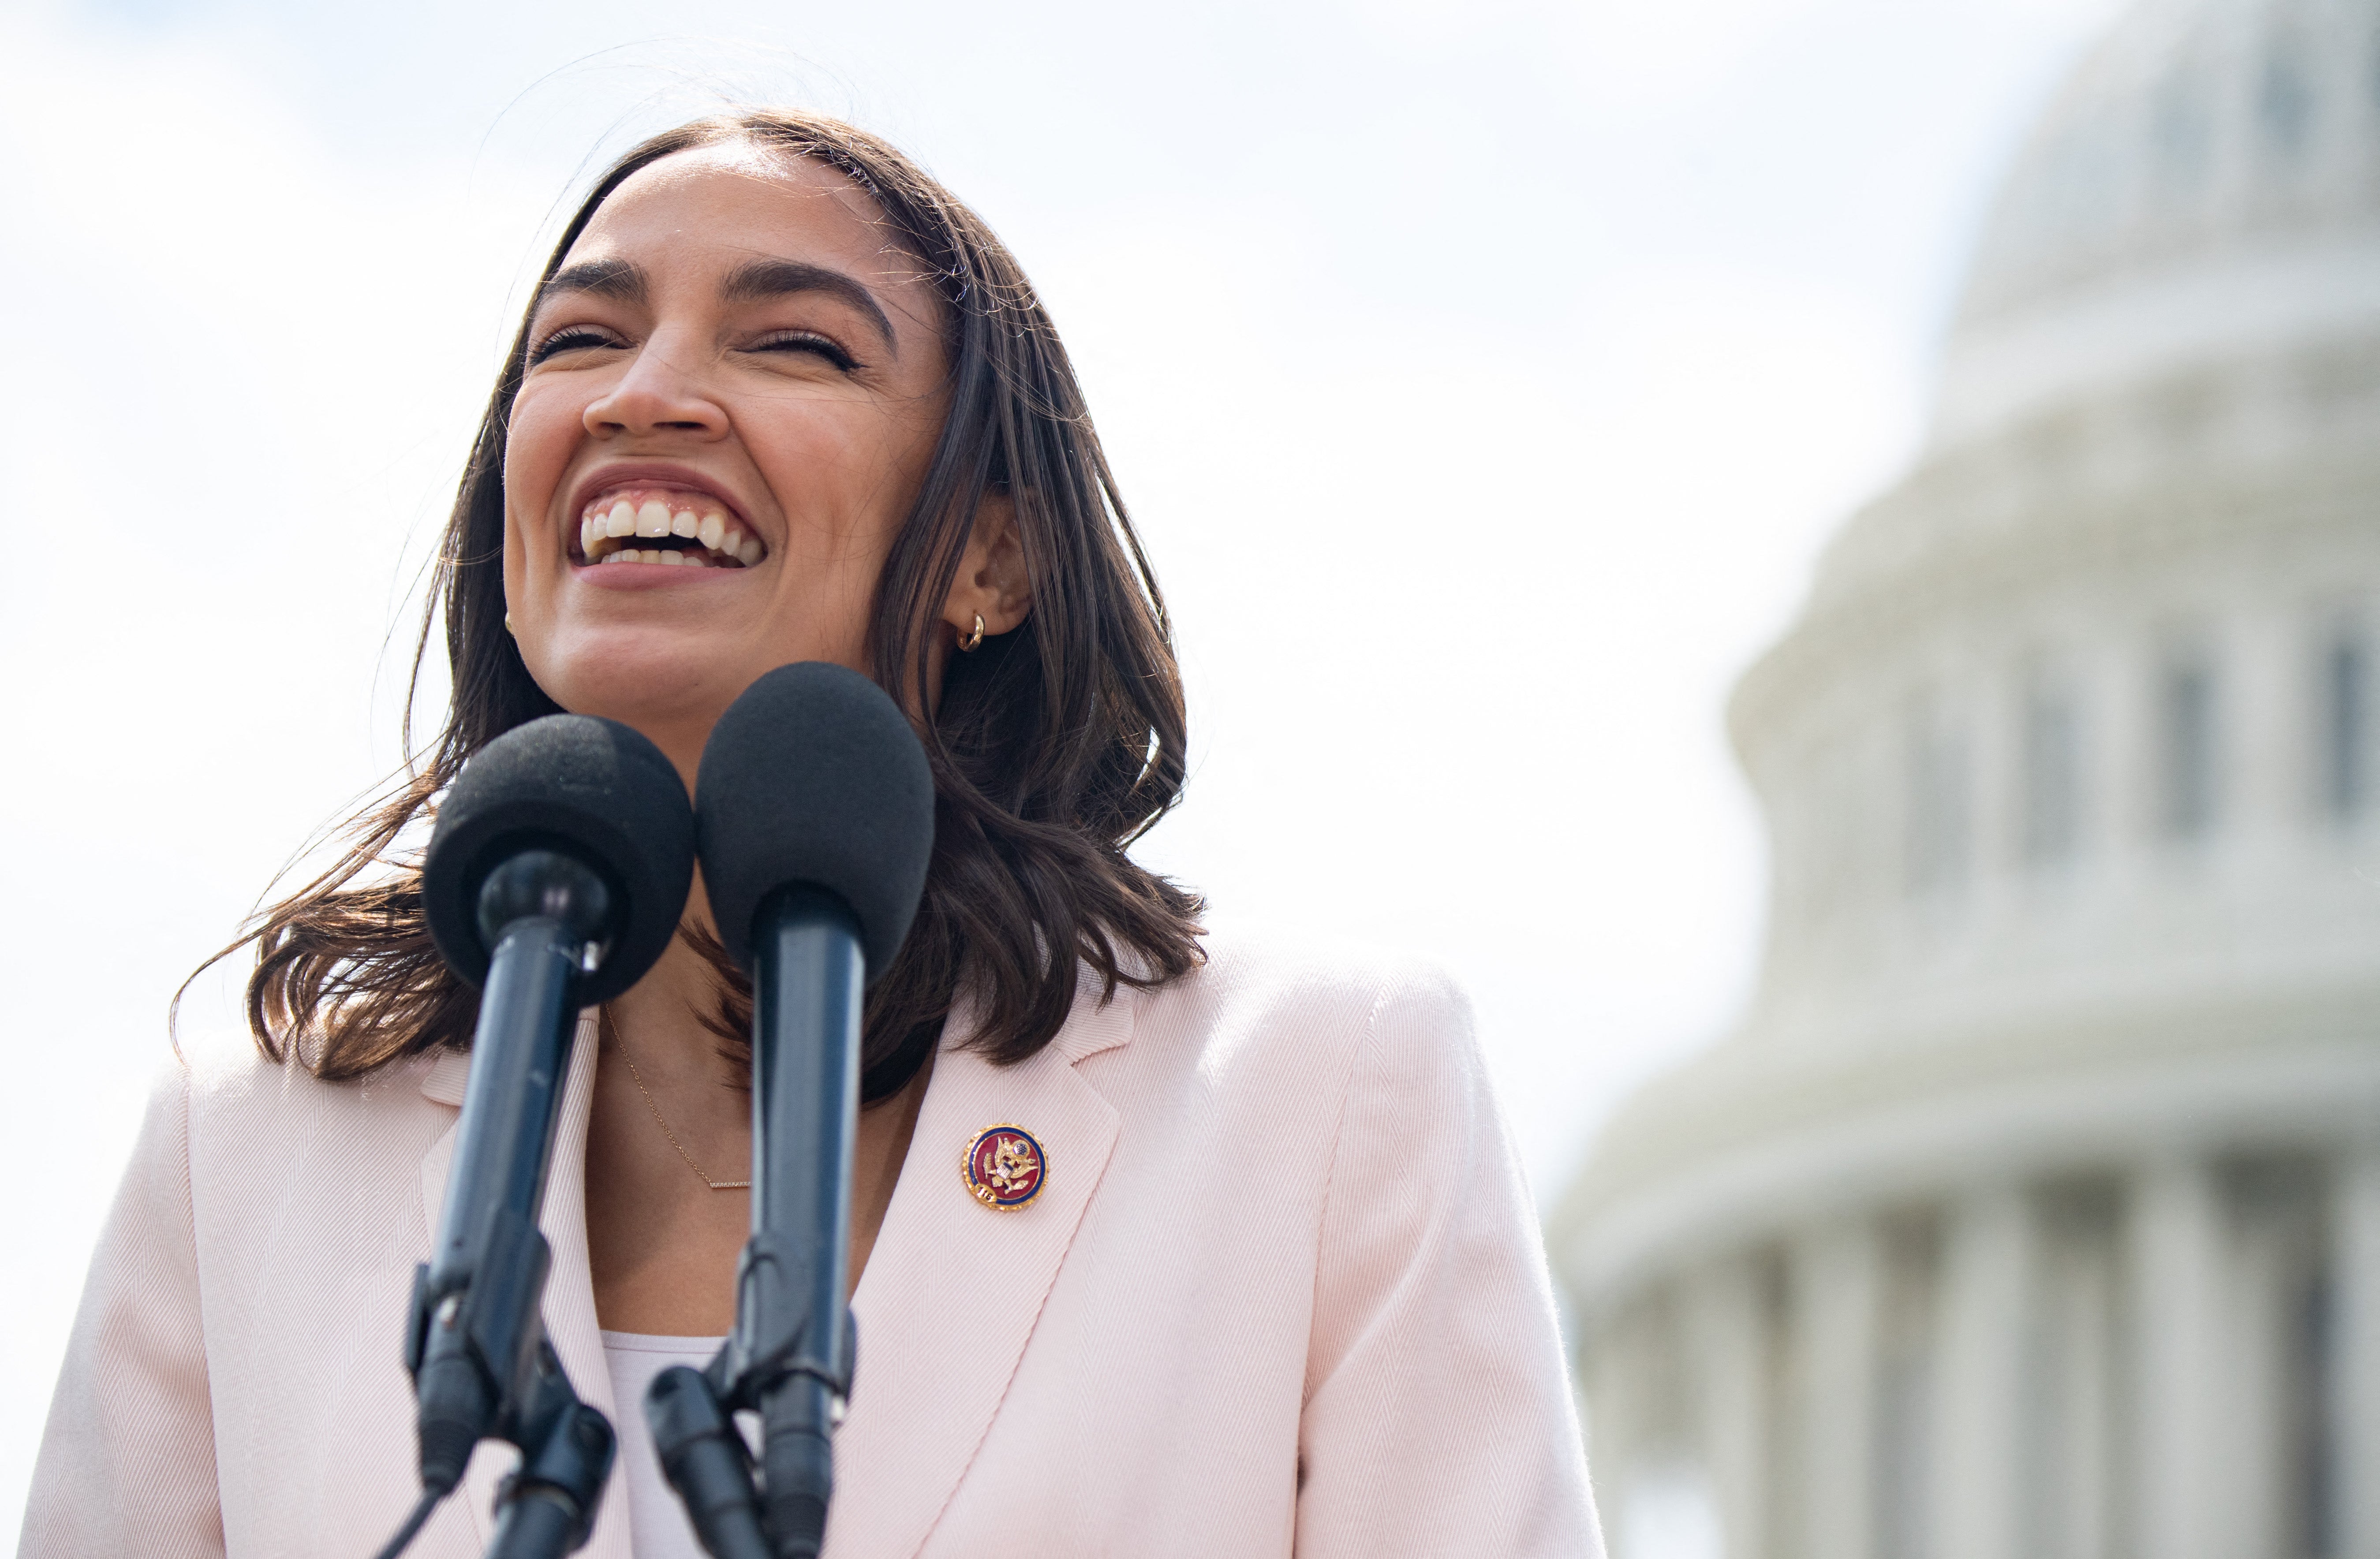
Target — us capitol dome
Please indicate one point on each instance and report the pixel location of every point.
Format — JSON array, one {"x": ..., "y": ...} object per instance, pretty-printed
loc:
[{"x": 2033, "y": 1208}]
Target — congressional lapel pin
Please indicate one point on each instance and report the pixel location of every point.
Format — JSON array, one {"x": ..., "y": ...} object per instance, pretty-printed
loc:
[{"x": 1004, "y": 1167}]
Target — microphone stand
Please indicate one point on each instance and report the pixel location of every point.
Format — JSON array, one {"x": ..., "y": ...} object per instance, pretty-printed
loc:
[
  {"x": 481, "y": 1363},
  {"x": 791, "y": 1354}
]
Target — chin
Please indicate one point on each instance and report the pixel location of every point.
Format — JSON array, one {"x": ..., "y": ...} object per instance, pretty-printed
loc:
[{"x": 645, "y": 680}]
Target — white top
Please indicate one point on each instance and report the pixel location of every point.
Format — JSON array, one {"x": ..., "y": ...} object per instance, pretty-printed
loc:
[{"x": 657, "y": 1524}]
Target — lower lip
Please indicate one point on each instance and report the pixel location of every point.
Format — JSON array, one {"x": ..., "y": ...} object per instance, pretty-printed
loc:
[{"x": 647, "y": 577}]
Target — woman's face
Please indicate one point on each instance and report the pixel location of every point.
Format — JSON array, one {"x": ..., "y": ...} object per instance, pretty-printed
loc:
[{"x": 733, "y": 386}]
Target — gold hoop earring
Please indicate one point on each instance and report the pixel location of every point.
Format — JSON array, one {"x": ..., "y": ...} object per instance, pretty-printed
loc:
[
  {"x": 974, "y": 641},
  {"x": 508, "y": 624}
]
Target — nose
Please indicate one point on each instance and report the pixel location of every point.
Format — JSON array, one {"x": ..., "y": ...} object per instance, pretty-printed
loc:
[{"x": 656, "y": 395}]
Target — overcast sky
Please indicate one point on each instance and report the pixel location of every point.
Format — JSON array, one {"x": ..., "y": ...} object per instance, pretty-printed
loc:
[{"x": 1484, "y": 377}]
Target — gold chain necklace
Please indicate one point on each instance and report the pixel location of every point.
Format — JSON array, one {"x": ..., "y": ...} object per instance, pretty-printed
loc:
[{"x": 661, "y": 1121}]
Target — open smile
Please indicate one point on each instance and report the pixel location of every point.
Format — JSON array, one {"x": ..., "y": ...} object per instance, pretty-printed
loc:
[{"x": 662, "y": 525}]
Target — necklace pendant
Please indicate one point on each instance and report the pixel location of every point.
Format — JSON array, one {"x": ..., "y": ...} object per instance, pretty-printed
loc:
[{"x": 604, "y": 1020}]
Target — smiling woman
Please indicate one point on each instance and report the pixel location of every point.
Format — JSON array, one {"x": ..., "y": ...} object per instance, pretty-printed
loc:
[
  {"x": 1158, "y": 1249},
  {"x": 858, "y": 413}
]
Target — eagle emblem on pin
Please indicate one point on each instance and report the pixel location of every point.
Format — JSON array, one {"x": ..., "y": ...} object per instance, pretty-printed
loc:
[{"x": 1004, "y": 1167}]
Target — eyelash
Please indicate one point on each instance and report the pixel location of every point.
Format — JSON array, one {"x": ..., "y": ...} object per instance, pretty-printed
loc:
[
  {"x": 566, "y": 339},
  {"x": 576, "y": 337},
  {"x": 808, "y": 341}
]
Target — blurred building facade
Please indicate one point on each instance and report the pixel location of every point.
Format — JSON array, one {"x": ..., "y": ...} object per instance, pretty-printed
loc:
[{"x": 2035, "y": 1207}]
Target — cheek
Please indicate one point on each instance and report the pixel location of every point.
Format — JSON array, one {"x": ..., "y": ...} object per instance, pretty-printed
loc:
[
  {"x": 539, "y": 436},
  {"x": 845, "y": 484}
]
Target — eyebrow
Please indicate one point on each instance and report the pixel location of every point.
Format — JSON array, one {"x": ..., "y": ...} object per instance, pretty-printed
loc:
[
  {"x": 758, "y": 279},
  {"x": 620, "y": 280},
  {"x": 624, "y": 281}
]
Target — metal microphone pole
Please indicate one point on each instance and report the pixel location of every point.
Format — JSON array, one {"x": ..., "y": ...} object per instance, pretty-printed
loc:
[
  {"x": 790, "y": 1356},
  {"x": 814, "y": 815},
  {"x": 805, "y": 1111},
  {"x": 477, "y": 1347},
  {"x": 554, "y": 879}
]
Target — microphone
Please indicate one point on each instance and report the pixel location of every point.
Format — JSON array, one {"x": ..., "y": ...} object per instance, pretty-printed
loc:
[
  {"x": 556, "y": 876},
  {"x": 814, "y": 818}
]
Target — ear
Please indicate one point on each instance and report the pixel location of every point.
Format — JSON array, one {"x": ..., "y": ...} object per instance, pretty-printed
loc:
[{"x": 992, "y": 581}]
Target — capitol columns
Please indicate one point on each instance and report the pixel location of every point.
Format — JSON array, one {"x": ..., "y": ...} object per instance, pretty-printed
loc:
[
  {"x": 2356, "y": 1407},
  {"x": 2176, "y": 1282},
  {"x": 1987, "y": 1303},
  {"x": 1838, "y": 1287},
  {"x": 1726, "y": 1330}
]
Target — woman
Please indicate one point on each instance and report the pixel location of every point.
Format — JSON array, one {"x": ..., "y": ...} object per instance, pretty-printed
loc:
[{"x": 1275, "y": 1288}]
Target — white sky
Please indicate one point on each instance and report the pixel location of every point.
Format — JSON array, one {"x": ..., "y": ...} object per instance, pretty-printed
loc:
[{"x": 1484, "y": 377}]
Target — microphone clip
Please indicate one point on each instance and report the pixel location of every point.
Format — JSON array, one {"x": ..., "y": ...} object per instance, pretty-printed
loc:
[
  {"x": 775, "y": 1365},
  {"x": 771, "y": 1279}
]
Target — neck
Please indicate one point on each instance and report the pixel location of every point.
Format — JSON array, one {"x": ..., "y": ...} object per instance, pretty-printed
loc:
[{"x": 663, "y": 1013}]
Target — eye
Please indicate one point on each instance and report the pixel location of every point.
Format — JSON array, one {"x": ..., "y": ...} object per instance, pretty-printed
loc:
[
  {"x": 807, "y": 341},
  {"x": 570, "y": 338}
]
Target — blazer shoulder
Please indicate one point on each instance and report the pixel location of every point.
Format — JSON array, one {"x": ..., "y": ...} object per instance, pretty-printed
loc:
[
  {"x": 217, "y": 1063},
  {"x": 253, "y": 1122},
  {"x": 1268, "y": 1003},
  {"x": 1265, "y": 969},
  {"x": 227, "y": 1076}
]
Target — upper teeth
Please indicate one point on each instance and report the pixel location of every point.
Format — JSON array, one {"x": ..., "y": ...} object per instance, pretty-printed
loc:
[{"x": 606, "y": 524}]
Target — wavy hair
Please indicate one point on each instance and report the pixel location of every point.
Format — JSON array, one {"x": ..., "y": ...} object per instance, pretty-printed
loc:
[{"x": 1053, "y": 747}]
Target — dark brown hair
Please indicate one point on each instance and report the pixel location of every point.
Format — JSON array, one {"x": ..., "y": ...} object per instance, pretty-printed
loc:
[{"x": 1053, "y": 747}]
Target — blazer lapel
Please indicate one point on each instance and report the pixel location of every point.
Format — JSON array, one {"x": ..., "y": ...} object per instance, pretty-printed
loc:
[
  {"x": 569, "y": 1284},
  {"x": 953, "y": 1289}
]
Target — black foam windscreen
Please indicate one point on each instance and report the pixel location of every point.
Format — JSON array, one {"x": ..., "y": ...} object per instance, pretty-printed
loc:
[
  {"x": 815, "y": 777},
  {"x": 592, "y": 788}
]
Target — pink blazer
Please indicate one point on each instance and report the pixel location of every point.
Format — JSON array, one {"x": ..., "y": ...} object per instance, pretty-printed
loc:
[{"x": 1281, "y": 1293}]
